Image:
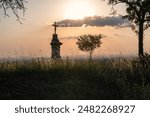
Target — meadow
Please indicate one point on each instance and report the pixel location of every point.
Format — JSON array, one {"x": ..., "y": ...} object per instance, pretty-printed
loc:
[{"x": 98, "y": 79}]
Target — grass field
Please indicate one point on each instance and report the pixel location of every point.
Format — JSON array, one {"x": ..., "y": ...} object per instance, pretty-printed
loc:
[{"x": 113, "y": 78}]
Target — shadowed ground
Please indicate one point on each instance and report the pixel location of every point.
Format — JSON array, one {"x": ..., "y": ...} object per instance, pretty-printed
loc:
[{"x": 114, "y": 78}]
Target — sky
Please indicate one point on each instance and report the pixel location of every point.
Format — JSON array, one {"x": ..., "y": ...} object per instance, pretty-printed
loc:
[
  {"x": 34, "y": 34},
  {"x": 40, "y": 13}
]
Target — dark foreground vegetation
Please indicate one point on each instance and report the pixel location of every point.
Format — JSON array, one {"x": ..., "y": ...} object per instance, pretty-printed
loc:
[{"x": 75, "y": 79}]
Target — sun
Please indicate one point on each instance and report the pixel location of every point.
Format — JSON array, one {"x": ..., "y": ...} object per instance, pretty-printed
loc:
[{"x": 78, "y": 9}]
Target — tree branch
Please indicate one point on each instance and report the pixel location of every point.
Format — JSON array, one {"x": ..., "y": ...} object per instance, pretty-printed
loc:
[{"x": 14, "y": 5}]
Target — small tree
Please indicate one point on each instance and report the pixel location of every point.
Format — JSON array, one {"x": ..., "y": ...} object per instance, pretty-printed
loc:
[{"x": 89, "y": 43}]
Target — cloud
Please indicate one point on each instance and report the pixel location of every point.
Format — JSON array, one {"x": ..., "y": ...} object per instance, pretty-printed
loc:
[
  {"x": 75, "y": 37},
  {"x": 69, "y": 37},
  {"x": 94, "y": 21}
]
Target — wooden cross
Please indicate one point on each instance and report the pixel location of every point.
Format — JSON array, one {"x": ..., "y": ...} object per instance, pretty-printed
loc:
[{"x": 55, "y": 26}]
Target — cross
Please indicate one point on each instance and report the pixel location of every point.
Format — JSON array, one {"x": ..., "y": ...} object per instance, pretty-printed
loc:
[{"x": 55, "y": 26}]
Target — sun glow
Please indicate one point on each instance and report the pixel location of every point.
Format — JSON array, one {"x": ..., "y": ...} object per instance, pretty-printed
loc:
[{"x": 78, "y": 9}]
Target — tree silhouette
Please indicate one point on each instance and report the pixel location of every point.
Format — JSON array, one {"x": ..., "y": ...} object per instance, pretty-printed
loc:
[
  {"x": 138, "y": 13},
  {"x": 89, "y": 43},
  {"x": 14, "y": 5}
]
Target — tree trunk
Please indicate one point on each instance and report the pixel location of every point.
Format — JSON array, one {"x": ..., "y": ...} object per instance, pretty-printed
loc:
[
  {"x": 141, "y": 33},
  {"x": 91, "y": 55}
]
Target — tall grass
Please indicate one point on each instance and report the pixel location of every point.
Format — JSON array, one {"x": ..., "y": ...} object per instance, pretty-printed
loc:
[{"x": 114, "y": 78}]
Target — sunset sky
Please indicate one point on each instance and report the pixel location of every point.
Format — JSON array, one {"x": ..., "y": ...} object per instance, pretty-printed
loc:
[{"x": 35, "y": 31}]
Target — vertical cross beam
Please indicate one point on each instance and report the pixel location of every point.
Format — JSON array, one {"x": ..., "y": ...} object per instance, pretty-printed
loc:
[{"x": 55, "y": 26}]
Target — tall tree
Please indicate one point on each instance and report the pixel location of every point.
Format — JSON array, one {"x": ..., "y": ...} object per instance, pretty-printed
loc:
[
  {"x": 138, "y": 13},
  {"x": 14, "y": 5}
]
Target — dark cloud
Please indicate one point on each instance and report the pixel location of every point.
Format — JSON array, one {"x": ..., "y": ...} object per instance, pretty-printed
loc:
[
  {"x": 69, "y": 37},
  {"x": 94, "y": 21},
  {"x": 75, "y": 37}
]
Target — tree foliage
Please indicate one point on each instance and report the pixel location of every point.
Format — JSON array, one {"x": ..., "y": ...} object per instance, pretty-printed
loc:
[
  {"x": 14, "y": 5},
  {"x": 89, "y": 43},
  {"x": 137, "y": 10},
  {"x": 138, "y": 13}
]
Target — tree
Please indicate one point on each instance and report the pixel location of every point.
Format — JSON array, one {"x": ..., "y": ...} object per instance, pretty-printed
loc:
[
  {"x": 14, "y": 5},
  {"x": 89, "y": 43},
  {"x": 138, "y": 13}
]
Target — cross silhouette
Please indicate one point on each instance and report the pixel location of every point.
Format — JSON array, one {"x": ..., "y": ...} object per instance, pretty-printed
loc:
[{"x": 55, "y": 26}]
